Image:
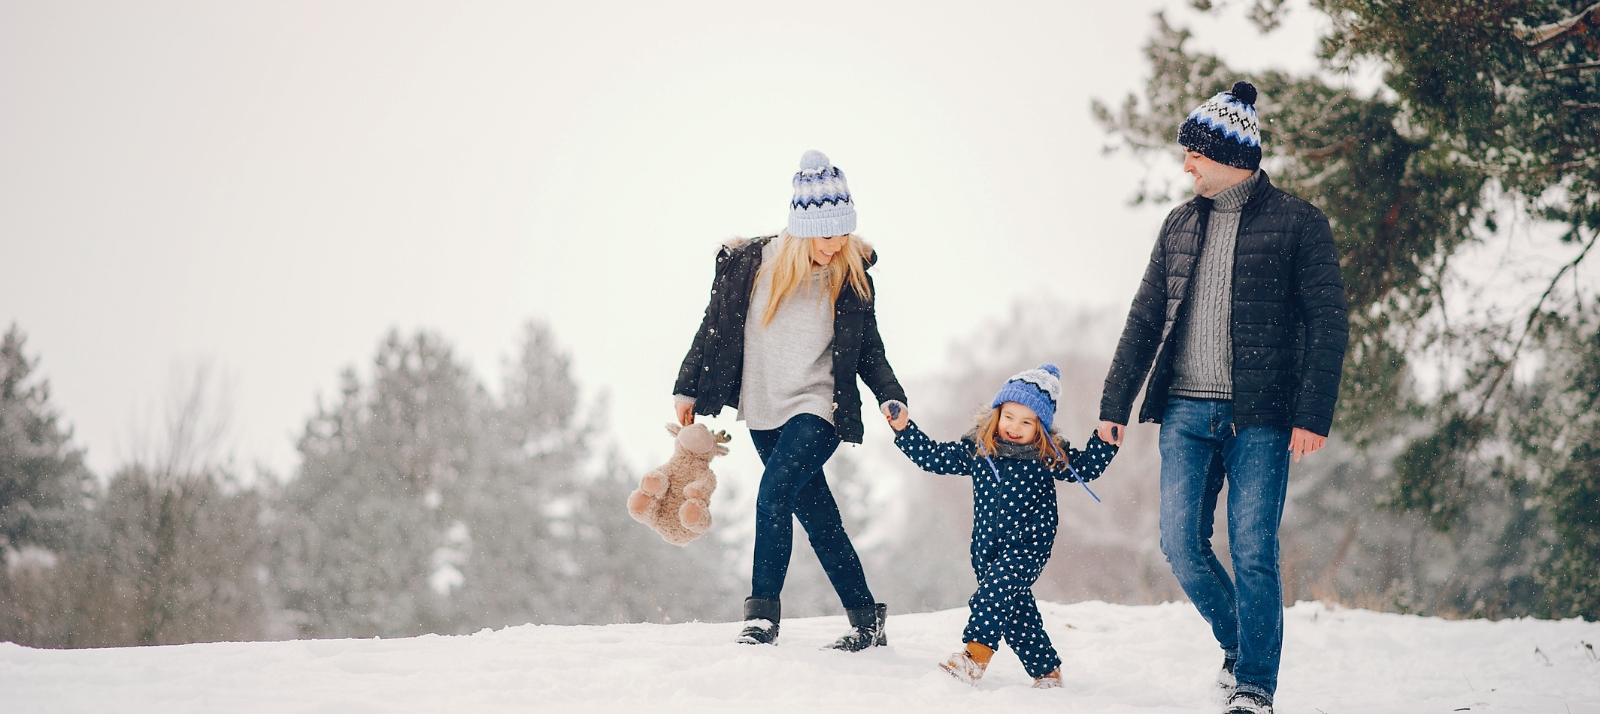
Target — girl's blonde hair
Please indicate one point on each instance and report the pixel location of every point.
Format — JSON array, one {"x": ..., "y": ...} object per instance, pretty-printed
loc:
[
  {"x": 988, "y": 434},
  {"x": 791, "y": 270}
]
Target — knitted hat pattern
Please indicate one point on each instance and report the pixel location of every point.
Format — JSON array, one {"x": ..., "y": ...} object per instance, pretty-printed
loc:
[
  {"x": 1225, "y": 129},
  {"x": 1037, "y": 389},
  {"x": 821, "y": 207}
]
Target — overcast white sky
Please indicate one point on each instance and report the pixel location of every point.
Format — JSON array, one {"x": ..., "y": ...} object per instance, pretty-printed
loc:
[{"x": 271, "y": 186}]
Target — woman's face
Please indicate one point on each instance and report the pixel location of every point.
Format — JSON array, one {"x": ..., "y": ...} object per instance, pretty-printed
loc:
[
  {"x": 823, "y": 249},
  {"x": 1018, "y": 424}
]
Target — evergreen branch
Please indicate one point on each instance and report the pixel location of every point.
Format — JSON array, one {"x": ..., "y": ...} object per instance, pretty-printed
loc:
[
  {"x": 1533, "y": 317},
  {"x": 1580, "y": 105},
  {"x": 1544, "y": 37},
  {"x": 1324, "y": 152},
  {"x": 1577, "y": 67}
]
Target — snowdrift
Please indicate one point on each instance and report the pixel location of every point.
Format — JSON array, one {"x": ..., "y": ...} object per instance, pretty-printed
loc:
[{"x": 1118, "y": 659}]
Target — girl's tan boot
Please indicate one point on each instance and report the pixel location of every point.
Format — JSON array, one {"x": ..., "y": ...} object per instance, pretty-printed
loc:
[
  {"x": 968, "y": 664},
  {"x": 1049, "y": 681}
]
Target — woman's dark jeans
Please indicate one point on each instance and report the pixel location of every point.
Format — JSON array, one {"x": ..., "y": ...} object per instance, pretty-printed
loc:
[
  {"x": 1200, "y": 451},
  {"x": 793, "y": 486}
]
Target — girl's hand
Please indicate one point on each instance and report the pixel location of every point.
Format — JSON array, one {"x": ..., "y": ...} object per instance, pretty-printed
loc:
[
  {"x": 685, "y": 413},
  {"x": 897, "y": 416}
]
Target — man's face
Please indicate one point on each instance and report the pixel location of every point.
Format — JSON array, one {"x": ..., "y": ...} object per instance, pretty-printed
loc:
[{"x": 1210, "y": 177}]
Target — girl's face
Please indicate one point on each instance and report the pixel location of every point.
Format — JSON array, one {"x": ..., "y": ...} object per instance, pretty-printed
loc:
[
  {"x": 823, "y": 249},
  {"x": 1018, "y": 424}
]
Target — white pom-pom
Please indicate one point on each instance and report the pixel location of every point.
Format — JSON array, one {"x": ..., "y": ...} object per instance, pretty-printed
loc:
[{"x": 814, "y": 161}]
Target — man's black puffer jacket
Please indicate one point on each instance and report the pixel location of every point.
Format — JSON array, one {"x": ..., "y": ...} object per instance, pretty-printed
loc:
[
  {"x": 1289, "y": 324},
  {"x": 713, "y": 370}
]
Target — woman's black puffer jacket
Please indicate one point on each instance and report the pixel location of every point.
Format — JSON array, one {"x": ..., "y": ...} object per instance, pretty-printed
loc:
[{"x": 713, "y": 369}]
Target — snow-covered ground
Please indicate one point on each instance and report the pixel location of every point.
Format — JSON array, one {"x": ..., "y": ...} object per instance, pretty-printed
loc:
[{"x": 1118, "y": 659}]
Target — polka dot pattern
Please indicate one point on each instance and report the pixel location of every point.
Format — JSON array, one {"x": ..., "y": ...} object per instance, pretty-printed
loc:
[{"x": 1014, "y": 520}]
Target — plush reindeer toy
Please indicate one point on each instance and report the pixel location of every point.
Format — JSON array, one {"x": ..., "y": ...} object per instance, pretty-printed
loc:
[{"x": 674, "y": 499}]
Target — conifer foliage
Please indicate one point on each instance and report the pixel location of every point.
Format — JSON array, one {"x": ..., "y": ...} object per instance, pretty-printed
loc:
[
  {"x": 424, "y": 505},
  {"x": 43, "y": 481}
]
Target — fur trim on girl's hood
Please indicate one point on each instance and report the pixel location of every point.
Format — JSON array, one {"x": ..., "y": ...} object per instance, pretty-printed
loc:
[{"x": 1008, "y": 450}]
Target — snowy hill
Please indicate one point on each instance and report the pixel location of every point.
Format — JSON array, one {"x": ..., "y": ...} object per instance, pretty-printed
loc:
[{"x": 1118, "y": 659}]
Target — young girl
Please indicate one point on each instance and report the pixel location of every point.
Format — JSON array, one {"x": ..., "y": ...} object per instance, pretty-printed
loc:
[{"x": 1014, "y": 459}]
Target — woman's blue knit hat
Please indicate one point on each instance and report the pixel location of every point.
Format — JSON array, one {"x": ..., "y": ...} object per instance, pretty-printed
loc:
[
  {"x": 1225, "y": 129},
  {"x": 821, "y": 207},
  {"x": 1037, "y": 389}
]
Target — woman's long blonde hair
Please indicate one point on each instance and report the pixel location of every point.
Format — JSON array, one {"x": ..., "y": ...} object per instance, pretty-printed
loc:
[{"x": 791, "y": 270}]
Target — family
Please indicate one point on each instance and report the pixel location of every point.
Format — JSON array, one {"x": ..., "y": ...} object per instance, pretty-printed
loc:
[{"x": 1236, "y": 335}]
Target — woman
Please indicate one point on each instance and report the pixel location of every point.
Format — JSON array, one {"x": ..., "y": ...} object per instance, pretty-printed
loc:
[{"x": 790, "y": 369}]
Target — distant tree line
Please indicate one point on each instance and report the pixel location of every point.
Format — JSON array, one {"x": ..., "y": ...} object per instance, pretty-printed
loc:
[{"x": 421, "y": 504}]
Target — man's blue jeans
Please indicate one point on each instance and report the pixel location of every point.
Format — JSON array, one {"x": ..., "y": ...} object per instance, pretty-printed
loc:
[
  {"x": 793, "y": 486},
  {"x": 1200, "y": 449}
]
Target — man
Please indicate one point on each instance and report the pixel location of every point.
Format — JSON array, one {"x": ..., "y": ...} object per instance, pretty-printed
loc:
[{"x": 1242, "y": 313}]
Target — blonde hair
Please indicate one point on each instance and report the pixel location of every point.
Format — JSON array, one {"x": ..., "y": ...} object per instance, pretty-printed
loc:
[
  {"x": 792, "y": 267},
  {"x": 989, "y": 432}
]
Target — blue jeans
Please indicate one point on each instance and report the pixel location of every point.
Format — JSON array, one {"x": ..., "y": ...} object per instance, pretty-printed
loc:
[
  {"x": 793, "y": 487},
  {"x": 1200, "y": 449}
]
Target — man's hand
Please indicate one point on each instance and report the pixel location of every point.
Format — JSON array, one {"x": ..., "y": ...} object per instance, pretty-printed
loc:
[
  {"x": 897, "y": 424},
  {"x": 1112, "y": 432},
  {"x": 1303, "y": 442},
  {"x": 685, "y": 413}
]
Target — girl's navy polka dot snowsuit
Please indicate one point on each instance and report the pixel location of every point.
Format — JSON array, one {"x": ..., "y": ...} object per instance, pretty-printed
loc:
[{"x": 1014, "y": 521}]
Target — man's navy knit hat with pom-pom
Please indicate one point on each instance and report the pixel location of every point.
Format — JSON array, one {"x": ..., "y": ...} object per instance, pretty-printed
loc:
[
  {"x": 1225, "y": 129},
  {"x": 1038, "y": 389}
]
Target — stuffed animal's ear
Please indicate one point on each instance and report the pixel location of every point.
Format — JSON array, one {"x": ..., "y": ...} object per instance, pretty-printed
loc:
[
  {"x": 721, "y": 450},
  {"x": 673, "y": 428}
]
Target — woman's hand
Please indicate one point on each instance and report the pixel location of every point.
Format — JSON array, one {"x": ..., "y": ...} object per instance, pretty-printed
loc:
[
  {"x": 685, "y": 413},
  {"x": 897, "y": 423}
]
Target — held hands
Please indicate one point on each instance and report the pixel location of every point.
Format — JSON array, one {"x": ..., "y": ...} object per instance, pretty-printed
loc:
[
  {"x": 1112, "y": 432},
  {"x": 897, "y": 416}
]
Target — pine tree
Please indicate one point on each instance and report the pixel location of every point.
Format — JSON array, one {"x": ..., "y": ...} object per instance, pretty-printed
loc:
[
  {"x": 43, "y": 480},
  {"x": 367, "y": 544},
  {"x": 43, "y": 488},
  {"x": 512, "y": 573}
]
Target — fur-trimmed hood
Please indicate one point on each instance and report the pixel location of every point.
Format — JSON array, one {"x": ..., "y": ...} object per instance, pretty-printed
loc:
[{"x": 1008, "y": 450}]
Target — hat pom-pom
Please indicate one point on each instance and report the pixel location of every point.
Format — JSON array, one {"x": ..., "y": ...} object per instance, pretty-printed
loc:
[
  {"x": 814, "y": 160},
  {"x": 1244, "y": 92},
  {"x": 1052, "y": 369}
]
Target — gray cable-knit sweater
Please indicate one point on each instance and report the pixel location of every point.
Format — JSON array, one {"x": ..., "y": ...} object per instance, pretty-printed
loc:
[{"x": 1203, "y": 368}]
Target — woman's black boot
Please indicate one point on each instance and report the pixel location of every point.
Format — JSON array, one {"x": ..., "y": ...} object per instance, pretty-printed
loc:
[
  {"x": 868, "y": 623},
  {"x": 761, "y": 615}
]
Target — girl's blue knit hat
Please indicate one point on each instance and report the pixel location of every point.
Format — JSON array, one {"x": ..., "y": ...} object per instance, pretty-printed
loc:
[
  {"x": 821, "y": 207},
  {"x": 1038, "y": 389}
]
